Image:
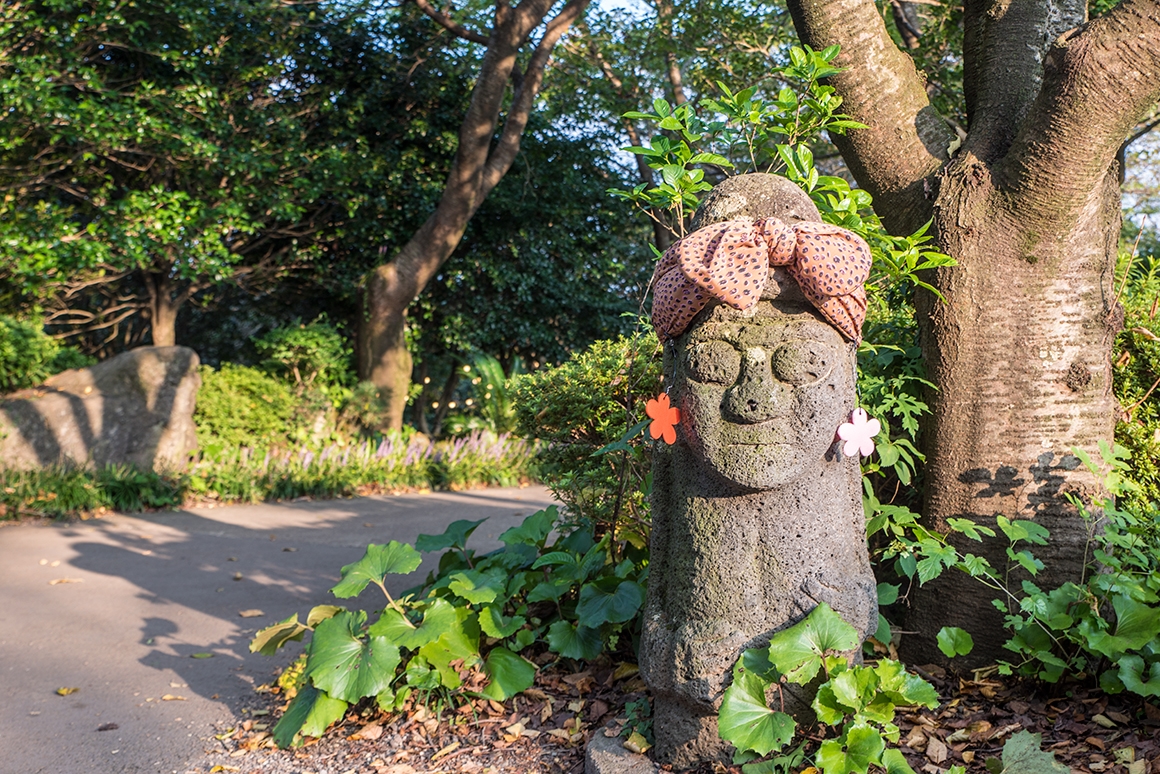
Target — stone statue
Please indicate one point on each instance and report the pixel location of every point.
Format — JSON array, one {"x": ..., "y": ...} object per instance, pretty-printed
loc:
[{"x": 757, "y": 515}]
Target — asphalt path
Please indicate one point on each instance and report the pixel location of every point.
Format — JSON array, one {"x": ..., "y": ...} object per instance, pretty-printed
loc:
[{"x": 142, "y": 614}]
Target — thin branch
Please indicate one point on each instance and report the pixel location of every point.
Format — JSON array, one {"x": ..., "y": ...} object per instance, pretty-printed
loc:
[{"x": 451, "y": 25}]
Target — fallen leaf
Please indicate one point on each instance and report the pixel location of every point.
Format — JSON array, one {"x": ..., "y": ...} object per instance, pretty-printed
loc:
[
  {"x": 637, "y": 743},
  {"x": 581, "y": 681},
  {"x": 398, "y": 768},
  {"x": 289, "y": 550},
  {"x": 369, "y": 732},
  {"x": 535, "y": 693},
  {"x": 1119, "y": 717},
  {"x": 237, "y": 576},
  {"x": 1139, "y": 767},
  {"x": 173, "y": 697},
  {"x": 1095, "y": 742},
  {"x": 108, "y": 727},
  {"x": 201, "y": 655},
  {"x": 1103, "y": 720},
  {"x": 445, "y": 751},
  {"x": 66, "y": 691},
  {"x": 221, "y": 767},
  {"x": 1125, "y": 755},
  {"x": 252, "y": 613},
  {"x": 936, "y": 751},
  {"x": 625, "y": 670},
  {"x": 968, "y": 756},
  {"x": 59, "y": 581}
]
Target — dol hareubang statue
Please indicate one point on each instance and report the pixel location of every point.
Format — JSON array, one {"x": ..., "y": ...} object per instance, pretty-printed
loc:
[{"x": 757, "y": 516}]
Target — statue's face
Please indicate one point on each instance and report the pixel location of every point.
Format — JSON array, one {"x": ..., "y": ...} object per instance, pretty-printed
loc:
[{"x": 761, "y": 397}]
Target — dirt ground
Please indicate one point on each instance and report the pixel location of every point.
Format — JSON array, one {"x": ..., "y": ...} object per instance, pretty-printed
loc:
[{"x": 543, "y": 731}]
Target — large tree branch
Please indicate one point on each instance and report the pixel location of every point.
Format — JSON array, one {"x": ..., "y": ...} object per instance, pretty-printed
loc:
[
  {"x": 501, "y": 158},
  {"x": 1099, "y": 83},
  {"x": 450, "y": 24},
  {"x": 1003, "y": 49},
  {"x": 906, "y": 141}
]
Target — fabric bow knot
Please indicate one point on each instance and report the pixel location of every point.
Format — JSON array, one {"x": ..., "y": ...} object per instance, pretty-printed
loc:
[{"x": 730, "y": 261}]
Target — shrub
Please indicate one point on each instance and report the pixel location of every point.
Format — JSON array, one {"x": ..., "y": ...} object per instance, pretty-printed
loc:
[
  {"x": 313, "y": 356},
  {"x": 583, "y": 406},
  {"x": 242, "y": 406},
  {"x": 28, "y": 355}
]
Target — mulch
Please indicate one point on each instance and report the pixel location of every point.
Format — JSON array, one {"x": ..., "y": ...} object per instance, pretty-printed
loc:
[{"x": 544, "y": 730}]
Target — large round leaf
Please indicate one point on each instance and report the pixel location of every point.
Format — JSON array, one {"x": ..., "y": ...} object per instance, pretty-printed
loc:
[
  {"x": 345, "y": 665},
  {"x": 509, "y": 674},
  {"x": 578, "y": 642},
  {"x": 747, "y": 721},
  {"x": 377, "y": 563},
  {"x": 600, "y": 604},
  {"x": 311, "y": 712},
  {"x": 797, "y": 652},
  {"x": 438, "y": 619}
]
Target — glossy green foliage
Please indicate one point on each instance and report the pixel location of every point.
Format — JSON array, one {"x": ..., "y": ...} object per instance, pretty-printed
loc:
[
  {"x": 314, "y": 356},
  {"x": 551, "y": 586},
  {"x": 28, "y": 356},
  {"x": 242, "y": 406},
  {"x": 152, "y": 136},
  {"x": 857, "y": 700},
  {"x": 589, "y": 413}
]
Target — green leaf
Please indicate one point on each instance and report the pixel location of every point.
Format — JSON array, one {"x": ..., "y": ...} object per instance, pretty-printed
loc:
[
  {"x": 864, "y": 745},
  {"x": 509, "y": 674},
  {"x": 320, "y": 613},
  {"x": 747, "y": 721},
  {"x": 1131, "y": 674},
  {"x": 887, "y": 593},
  {"x": 578, "y": 642},
  {"x": 1136, "y": 625},
  {"x": 1021, "y": 755},
  {"x": 346, "y": 666},
  {"x": 494, "y": 624},
  {"x": 797, "y": 652},
  {"x": 438, "y": 619},
  {"x": 903, "y": 688},
  {"x": 455, "y": 536},
  {"x": 268, "y": 640},
  {"x": 378, "y": 562},
  {"x": 311, "y": 712},
  {"x": 460, "y": 642},
  {"x": 895, "y": 762},
  {"x": 534, "y": 530},
  {"x": 953, "y": 641},
  {"x": 465, "y": 586},
  {"x": 598, "y": 606}
]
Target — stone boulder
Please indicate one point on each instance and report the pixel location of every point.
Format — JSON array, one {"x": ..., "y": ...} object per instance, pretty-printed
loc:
[{"x": 135, "y": 408}]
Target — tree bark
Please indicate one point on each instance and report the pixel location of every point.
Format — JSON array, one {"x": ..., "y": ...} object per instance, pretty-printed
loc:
[
  {"x": 1029, "y": 207},
  {"x": 163, "y": 309},
  {"x": 481, "y": 161}
]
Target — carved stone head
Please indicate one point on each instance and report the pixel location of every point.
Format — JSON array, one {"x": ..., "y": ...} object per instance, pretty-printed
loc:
[{"x": 762, "y": 392}]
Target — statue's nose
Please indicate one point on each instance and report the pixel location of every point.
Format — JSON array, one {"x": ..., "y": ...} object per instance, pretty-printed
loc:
[{"x": 756, "y": 396}]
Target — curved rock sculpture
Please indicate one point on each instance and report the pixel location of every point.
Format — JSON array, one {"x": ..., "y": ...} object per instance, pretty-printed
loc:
[{"x": 757, "y": 517}]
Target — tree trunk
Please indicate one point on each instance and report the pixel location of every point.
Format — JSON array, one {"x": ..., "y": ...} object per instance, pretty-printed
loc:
[
  {"x": 1029, "y": 207},
  {"x": 1020, "y": 352},
  {"x": 162, "y": 309},
  {"x": 481, "y": 161}
]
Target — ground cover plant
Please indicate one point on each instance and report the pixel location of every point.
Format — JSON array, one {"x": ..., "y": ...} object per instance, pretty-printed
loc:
[{"x": 464, "y": 633}]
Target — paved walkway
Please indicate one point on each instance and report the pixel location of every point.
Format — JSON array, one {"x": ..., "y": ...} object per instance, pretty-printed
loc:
[{"x": 125, "y": 607}]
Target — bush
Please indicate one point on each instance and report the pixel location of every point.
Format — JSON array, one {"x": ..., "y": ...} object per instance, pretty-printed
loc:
[
  {"x": 584, "y": 405},
  {"x": 311, "y": 357},
  {"x": 242, "y": 406},
  {"x": 28, "y": 355}
]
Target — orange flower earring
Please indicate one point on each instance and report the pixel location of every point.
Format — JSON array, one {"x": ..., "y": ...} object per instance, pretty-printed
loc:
[{"x": 664, "y": 418}]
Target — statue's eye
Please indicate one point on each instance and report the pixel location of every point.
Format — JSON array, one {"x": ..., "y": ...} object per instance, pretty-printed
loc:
[
  {"x": 713, "y": 361},
  {"x": 802, "y": 362}
]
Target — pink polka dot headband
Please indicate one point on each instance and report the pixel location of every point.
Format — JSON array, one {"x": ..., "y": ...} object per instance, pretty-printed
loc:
[{"x": 730, "y": 262}]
